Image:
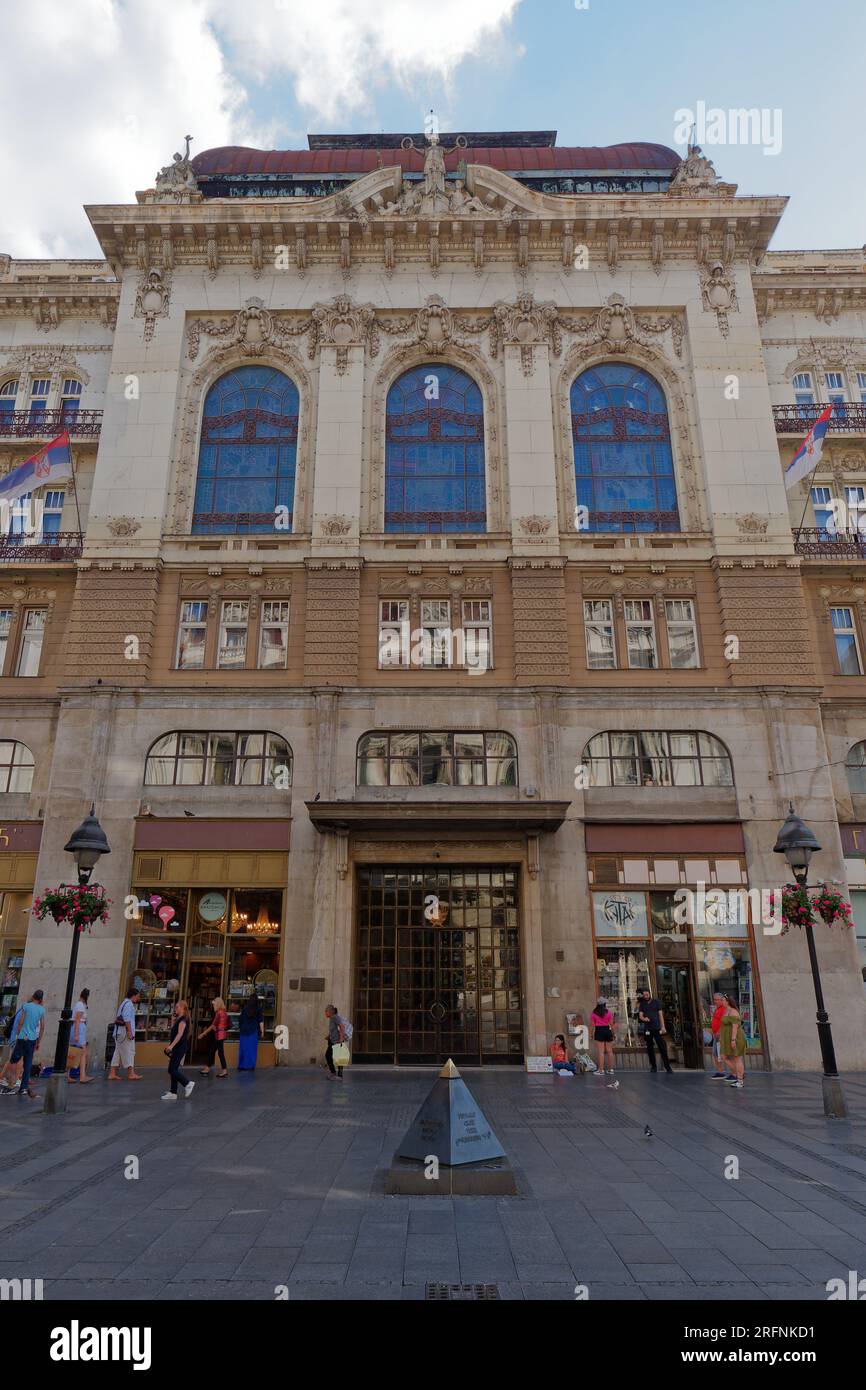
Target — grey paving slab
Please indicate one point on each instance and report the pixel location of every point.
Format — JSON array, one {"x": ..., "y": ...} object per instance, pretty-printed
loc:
[{"x": 277, "y": 1179}]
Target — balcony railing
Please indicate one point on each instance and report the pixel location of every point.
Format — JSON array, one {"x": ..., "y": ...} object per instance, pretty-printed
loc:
[
  {"x": 59, "y": 547},
  {"x": 849, "y": 417},
  {"x": 818, "y": 543},
  {"x": 25, "y": 424}
]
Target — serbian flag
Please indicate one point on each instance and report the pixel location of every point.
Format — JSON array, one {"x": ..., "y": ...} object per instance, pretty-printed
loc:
[
  {"x": 808, "y": 456},
  {"x": 53, "y": 464}
]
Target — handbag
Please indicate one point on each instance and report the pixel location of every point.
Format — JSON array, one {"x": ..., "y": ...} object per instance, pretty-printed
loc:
[{"x": 341, "y": 1055}]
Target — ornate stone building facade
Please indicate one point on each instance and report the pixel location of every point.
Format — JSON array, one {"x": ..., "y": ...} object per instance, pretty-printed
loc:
[{"x": 429, "y": 610}]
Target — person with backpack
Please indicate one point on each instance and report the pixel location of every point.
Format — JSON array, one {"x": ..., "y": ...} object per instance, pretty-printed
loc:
[
  {"x": 124, "y": 1037},
  {"x": 218, "y": 1030},
  {"x": 337, "y": 1034}
]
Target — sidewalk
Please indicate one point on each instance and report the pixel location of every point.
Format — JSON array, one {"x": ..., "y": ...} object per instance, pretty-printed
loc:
[{"x": 277, "y": 1179}]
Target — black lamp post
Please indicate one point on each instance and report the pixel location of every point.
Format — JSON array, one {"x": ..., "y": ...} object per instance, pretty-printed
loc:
[
  {"x": 798, "y": 843},
  {"x": 86, "y": 845}
]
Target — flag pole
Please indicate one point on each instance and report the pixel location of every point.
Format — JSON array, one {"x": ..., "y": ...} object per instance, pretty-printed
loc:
[{"x": 74, "y": 488}]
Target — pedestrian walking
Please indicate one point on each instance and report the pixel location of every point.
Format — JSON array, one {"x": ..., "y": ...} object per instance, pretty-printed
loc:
[
  {"x": 124, "y": 1037},
  {"x": 31, "y": 1026},
  {"x": 732, "y": 1041},
  {"x": 650, "y": 1014},
  {"x": 10, "y": 1076},
  {"x": 176, "y": 1051},
  {"x": 720, "y": 1006},
  {"x": 216, "y": 1035},
  {"x": 251, "y": 1028},
  {"x": 602, "y": 1021},
  {"x": 559, "y": 1057},
  {"x": 79, "y": 1036},
  {"x": 336, "y": 1034}
]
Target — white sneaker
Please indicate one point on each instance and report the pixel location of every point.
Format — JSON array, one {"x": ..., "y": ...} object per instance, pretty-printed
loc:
[
  {"x": 168, "y": 1095},
  {"x": 188, "y": 1090}
]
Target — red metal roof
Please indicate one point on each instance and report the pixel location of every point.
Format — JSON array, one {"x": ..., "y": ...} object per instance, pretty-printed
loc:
[{"x": 238, "y": 159}]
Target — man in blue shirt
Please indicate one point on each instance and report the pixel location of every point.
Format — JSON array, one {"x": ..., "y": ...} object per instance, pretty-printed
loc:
[{"x": 31, "y": 1026}]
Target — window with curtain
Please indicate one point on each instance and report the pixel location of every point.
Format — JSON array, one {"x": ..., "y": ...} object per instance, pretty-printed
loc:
[
  {"x": 623, "y": 463},
  {"x": 470, "y": 759},
  {"x": 247, "y": 454},
  {"x": 657, "y": 758},
  {"x": 434, "y": 452}
]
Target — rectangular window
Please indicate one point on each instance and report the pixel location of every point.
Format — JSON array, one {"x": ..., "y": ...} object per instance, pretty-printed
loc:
[
  {"x": 847, "y": 647},
  {"x": 825, "y": 520},
  {"x": 682, "y": 633},
  {"x": 598, "y": 628},
  {"x": 478, "y": 634},
  {"x": 274, "y": 635},
  {"x": 234, "y": 621},
  {"x": 393, "y": 632},
  {"x": 640, "y": 634},
  {"x": 192, "y": 635},
  {"x": 435, "y": 632},
  {"x": 5, "y": 629},
  {"x": 70, "y": 401},
  {"x": 858, "y": 912},
  {"x": 861, "y": 386},
  {"x": 30, "y": 651},
  {"x": 52, "y": 513},
  {"x": 835, "y": 386},
  {"x": 803, "y": 390},
  {"x": 39, "y": 399}
]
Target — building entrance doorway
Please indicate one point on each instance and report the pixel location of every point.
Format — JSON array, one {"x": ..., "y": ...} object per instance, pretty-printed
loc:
[
  {"x": 678, "y": 997},
  {"x": 437, "y": 971}
]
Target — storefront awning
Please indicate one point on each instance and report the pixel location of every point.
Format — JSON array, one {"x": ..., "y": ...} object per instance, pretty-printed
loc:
[{"x": 536, "y": 817}]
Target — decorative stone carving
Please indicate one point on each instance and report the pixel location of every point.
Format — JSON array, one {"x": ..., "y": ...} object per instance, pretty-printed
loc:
[
  {"x": 823, "y": 354},
  {"x": 750, "y": 524},
  {"x": 434, "y": 328},
  {"x": 344, "y": 324},
  {"x": 335, "y": 526},
  {"x": 151, "y": 301},
  {"x": 432, "y": 197},
  {"x": 616, "y": 327},
  {"x": 51, "y": 362},
  {"x": 696, "y": 177},
  {"x": 525, "y": 323},
  {"x": 176, "y": 182},
  {"x": 253, "y": 329},
  {"x": 122, "y": 526},
  {"x": 534, "y": 525},
  {"x": 719, "y": 295}
]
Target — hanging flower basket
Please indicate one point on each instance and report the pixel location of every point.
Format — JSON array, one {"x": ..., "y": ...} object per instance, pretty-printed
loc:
[
  {"x": 832, "y": 907},
  {"x": 82, "y": 905},
  {"x": 799, "y": 909}
]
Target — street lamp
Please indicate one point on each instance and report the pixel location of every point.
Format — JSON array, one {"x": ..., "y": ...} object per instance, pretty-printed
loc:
[
  {"x": 798, "y": 843},
  {"x": 86, "y": 845}
]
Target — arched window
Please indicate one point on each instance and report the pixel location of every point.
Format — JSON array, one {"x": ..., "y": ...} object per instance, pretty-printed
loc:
[
  {"x": 623, "y": 465},
  {"x": 247, "y": 454},
  {"x": 16, "y": 766},
  {"x": 657, "y": 758},
  {"x": 434, "y": 453},
  {"x": 189, "y": 759},
  {"x": 8, "y": 394},
  {"x": 391, "y": 758},
  {"x": 855, "y": 766}
]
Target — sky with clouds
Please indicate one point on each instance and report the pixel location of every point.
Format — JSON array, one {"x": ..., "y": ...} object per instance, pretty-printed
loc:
[{"x": 97, "y": 94}]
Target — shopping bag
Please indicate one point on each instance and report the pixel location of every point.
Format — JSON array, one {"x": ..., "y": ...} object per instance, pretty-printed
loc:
[{"x": 341, "y": 1055}]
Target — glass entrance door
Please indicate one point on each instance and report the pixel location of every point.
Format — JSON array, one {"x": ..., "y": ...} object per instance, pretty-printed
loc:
[
  {"x": 437, "y": 971},
  {"x": 677, "y": 996}
]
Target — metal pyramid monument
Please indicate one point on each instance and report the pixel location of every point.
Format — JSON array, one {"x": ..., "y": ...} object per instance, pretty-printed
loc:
[{"x": 450, "y": 1126}]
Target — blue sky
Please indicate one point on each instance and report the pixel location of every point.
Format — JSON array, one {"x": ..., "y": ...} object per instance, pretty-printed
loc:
[{"x": 121, "y": 81}]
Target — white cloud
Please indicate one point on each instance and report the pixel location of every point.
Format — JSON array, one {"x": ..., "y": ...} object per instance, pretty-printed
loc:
[{"x": 100, "y": 92}]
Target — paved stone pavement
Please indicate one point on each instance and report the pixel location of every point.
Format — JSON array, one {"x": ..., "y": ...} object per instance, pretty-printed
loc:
[{"x": 277, "y": 1178}]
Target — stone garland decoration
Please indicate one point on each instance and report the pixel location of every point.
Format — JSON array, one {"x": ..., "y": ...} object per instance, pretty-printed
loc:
[
  {"x": 719, "y": 296},
  {"x": 151, "y": 300}
]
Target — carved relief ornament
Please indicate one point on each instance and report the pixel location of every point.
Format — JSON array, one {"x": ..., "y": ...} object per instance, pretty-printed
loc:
[
  {"x": 616, "y": 327},
  {"x": 719, "y": 295},
  {"x": 343, "y": 324},
  {"x": 151, "y": 301}
]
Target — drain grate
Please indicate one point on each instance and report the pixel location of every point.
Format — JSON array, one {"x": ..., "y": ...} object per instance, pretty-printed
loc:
[{"x": 456, "y": 1293}]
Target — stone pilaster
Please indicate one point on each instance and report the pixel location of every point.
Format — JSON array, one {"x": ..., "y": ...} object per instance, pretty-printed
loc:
[
  {"x": 763, "y": 608},
  {"x": 333, "y": 609},
  {"x": 540, "y": 621},
  {"x": 111, "y": 626}
]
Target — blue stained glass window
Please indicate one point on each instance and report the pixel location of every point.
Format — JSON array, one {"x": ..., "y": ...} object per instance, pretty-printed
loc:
[
  {"x": 247, "y": 454},
  {"x": 434, "y": 453},
  {"x": 624, "y": 472}
]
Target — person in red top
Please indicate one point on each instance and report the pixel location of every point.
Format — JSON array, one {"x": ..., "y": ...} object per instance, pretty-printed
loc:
[
  {"x": 560, "y": 1056},
  {"x": 719, "y": 1007},
  {"x": 218, "y": 1031}
]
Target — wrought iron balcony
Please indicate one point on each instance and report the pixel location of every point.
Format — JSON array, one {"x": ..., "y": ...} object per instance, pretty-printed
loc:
[
  {"x": 57, "y": 548},
  {"x": 849, "y": 417},
  {"x": 817, "y": 543},
  {"x": 25, "y": 424}
]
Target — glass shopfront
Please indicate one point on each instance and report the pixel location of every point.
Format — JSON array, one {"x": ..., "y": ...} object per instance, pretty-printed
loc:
[
  {"x": 14, "y": 914},
  {"x": 198, "y": 944},
  {"x": 681, "y": 927}
]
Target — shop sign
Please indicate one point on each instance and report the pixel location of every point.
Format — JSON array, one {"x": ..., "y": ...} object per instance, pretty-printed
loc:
[
  {"x": 212, "y": 907},
  {"x": 853, "y": 839},
  {"x": 620, "y": 914},
  {"x": 539, "y": 1064}
]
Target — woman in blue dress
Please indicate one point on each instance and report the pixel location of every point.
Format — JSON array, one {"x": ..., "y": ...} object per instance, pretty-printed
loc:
[{"x": 251, "y": 1027}]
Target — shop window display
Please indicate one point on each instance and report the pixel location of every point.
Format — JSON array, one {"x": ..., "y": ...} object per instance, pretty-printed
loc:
[
  {"x": 727, "y": 968},
  {"x": 623, "y": 971}
]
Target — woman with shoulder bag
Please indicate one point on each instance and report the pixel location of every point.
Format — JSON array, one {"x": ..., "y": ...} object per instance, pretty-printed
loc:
[
  {"x": 218, "y": 1030},
  {"x": 177, "y": 1050}
]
